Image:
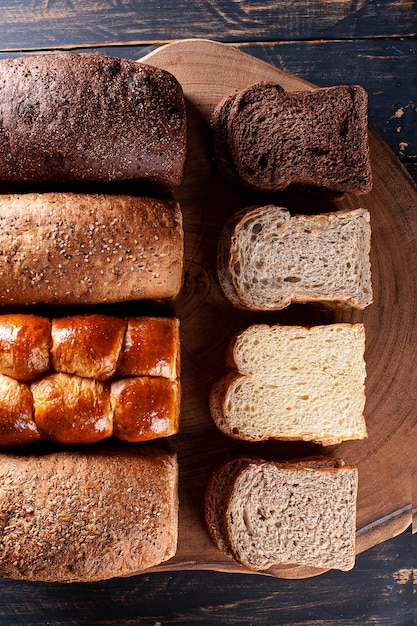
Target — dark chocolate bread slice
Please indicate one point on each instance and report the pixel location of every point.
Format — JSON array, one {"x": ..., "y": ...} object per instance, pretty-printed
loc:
[{"x": 274, "y": 138}]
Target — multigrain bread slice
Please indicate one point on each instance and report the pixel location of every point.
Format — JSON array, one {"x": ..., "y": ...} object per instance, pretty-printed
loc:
[
  {"x": 92, "y": 118},
  {"x": 84, "y": 516},
  {"x": 294, "y": 383},
  {"x": 268, "y": 138},
  {"x": 266, "y": 513},
  {"x": 268, "y": 259}
]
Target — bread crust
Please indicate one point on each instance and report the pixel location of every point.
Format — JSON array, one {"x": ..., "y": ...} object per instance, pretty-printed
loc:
[
  {"x": 86, "y": 516},
  {"x": 90, "y": 118},
  {"x": 79, "y": 248},
  {"x": 78, "y": 393}
]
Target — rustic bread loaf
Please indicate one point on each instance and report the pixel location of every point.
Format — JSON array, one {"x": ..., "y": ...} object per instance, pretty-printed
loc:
[
  {"x": 267, "y": 138},
  {"x": 70, "y": 248},
  {"x": 294, "y": 383},
  {"x": 268, "y": 258},
  {"x": 75, "y": 516},
  {"x": 84, "y": 117},
  {"x": 265, "y": 513}
]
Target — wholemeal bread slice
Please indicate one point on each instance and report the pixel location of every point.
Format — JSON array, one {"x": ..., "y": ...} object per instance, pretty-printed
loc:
[
  {"x": 83, "y": 516},
  {"x": 268, "y": 259},
  {"x": 271, "y": 513},
  {"x": 294, "y": 383},
  {"x": 268, "y": 138}
]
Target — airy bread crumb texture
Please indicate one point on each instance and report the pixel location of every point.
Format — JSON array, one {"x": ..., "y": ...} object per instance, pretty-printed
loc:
[
  {"x": 297, "y": 516},
  {"x": 268, "y": 258},
  {"x": 295, "y": 383}
]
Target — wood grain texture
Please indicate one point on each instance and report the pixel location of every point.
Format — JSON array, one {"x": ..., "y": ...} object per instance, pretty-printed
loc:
[
  {"x": 378, "y": 591},
  {"x": 69, "y": 23},
  {"x": 207, "y": 71}
]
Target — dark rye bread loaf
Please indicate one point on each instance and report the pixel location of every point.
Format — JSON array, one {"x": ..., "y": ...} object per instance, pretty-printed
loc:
[
  {"x": 76, "y": 516},
  {"x": 268, "y": 258},
  {"x": 73, "y": 248},
  {"x": 266, "y": 513},
  {"x": 85, "y": 117},
  {"x": 266, "y": 138}
]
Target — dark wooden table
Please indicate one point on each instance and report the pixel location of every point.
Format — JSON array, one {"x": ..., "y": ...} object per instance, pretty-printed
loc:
[{"x": 367, "y": 42}]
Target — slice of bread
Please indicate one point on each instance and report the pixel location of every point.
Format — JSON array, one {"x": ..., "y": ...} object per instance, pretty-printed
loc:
[
  {"x": 294, "y": 383},
  {"x": 267, "y": 513},
  {"x": 267, "y": 138},
  {"x": 268, "y": 259}
]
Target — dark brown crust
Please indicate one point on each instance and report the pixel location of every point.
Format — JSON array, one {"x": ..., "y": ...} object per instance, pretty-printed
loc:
[
  {"x": 77, "y": 517},
  {"x": 85, "y": 117},
  {"x": 79, "y": 248}
]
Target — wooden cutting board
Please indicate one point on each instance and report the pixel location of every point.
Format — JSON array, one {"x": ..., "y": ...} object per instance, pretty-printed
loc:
[{"x": 208, "y": 71}]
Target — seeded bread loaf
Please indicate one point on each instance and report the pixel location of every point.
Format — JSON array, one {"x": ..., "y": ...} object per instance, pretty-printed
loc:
[
  {"x": 78, "y": 248},
  {"x": 84, "y": 117},
  {"x": 76, "y": 516},
  {"x": 294, "y": 383},
  {"x": 268, "y": 259},
  {"x": 266, "y": 513},
  {"x": 266, "y": 138}
]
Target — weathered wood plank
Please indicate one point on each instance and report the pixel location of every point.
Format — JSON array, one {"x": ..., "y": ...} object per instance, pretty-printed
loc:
[
  {"x": 68, "y": 23},
  {"x": 385, "y": 68},
  {"x": 378, "y": 591}
]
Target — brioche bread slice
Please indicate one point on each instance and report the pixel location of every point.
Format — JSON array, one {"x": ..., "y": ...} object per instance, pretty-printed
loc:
[
  {"x": 269, "y": 138},
  {"x": 268, "y": 259},
  {"x": 270, "y": 513},
  {"x": 294, "y": 383}
]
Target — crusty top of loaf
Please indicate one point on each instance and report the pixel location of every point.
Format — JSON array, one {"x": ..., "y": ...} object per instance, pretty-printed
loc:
[
  {"x": 85, "y": 117},
  {"x": 269, "y": 138},
  {"x": 79, "y": 248},
  {"x": 269, "y": 258},
  {"x": 76, "y": 516}
]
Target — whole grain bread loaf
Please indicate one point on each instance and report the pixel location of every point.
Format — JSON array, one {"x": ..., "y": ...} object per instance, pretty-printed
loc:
[
  {"x": 294, "y": 383},
  {"x": 84, "y": 117},
  {"x": 85, "y": 516},
  {"x": 268, "y": 258},
  {"x": 266, "y": 513},
  {"x": 79, "y": 248},
  {"x": 266, "y": 138}
]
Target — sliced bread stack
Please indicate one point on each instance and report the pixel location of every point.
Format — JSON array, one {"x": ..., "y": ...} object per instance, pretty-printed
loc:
[
  {"x": 265, "y": 513},
  {"x": 268, "y": 258},
  {"x": 266, "y": 138}
]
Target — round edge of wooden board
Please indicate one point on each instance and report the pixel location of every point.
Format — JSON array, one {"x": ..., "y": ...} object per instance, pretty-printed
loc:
[{"x": 180, "y": 58}]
